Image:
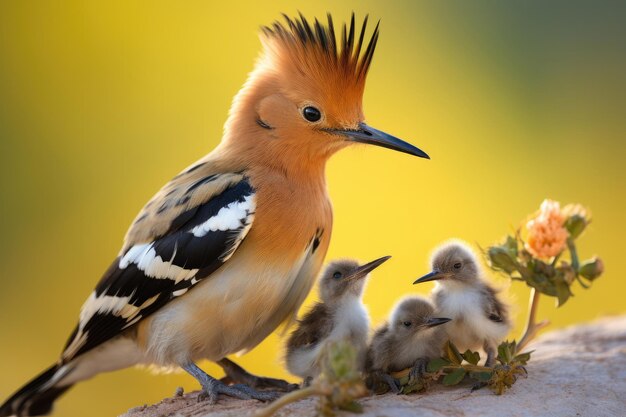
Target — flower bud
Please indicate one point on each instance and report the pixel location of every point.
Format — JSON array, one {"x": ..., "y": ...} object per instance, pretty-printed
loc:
[
  {"x": 500, "y": 258},
  {"x": 591, "y": 269},
  {"x": 575, "y": 225}
]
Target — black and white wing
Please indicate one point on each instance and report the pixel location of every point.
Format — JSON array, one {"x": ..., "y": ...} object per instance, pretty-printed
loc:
[{"x": 147, "y": 275}]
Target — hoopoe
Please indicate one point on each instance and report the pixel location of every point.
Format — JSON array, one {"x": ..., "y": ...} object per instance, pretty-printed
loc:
[{"x": 230, "y": 247}]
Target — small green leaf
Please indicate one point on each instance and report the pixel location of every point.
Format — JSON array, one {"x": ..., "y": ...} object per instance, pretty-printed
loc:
[
  {"x": 453, "y": 353},
  {"x": 482, "y": 376},
  {"x": 504, "y": 353},
  {"x": 471, "y": 357},
  {"x": 454, "y": 377},
  {"x": 435, "y": 365},
  {"x": 523, "y": 358},
  {"x": 511, "y": 245},
  {"x": 501, "y": 259},
  {"x": 562, "y": 292}
]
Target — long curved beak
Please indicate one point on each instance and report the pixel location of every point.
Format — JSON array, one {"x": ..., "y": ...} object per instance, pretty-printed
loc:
[
  {"x": 369, "y": 135},
  {"x": 436, "y": 321},
  {"x": 431, "y": 276},
  {"x": 363, "y": 270}
]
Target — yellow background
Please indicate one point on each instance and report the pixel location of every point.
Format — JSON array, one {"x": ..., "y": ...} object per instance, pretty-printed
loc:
[{"x": 103, "y": 102}]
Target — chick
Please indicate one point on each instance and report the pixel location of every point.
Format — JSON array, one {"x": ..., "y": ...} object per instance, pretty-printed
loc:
[
  {"x": 408, "y": 340},
  {"x": 340, "y": 315},
  {"x": 480, "y": 319}
]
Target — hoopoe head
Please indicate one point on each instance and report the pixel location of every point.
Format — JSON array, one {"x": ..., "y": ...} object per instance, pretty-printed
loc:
[
  {"x": 453, "y": 262},
  {"x": 303, "y": 100}
]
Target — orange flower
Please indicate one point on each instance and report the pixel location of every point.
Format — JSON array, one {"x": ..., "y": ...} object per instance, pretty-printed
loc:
[{"x": 546, "y": 233}]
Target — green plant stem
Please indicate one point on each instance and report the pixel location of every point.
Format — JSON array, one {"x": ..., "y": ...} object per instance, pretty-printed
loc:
[
  {"x": 532, "y": 327},
  {"x": 573, "y": 254},
  {"x": 288, "y": 399}
]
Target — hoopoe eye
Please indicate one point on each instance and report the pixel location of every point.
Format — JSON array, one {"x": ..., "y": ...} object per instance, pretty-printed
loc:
[
  {"x": 457, "y": 265},
  {"x": 311, "y": 114},
  {"x": 407, "y": 323},
  {"x": 337, "y": 275}
]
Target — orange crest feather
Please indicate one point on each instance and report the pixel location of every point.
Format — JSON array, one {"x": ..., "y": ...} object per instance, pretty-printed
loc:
[{"x": 313, "y": 52}]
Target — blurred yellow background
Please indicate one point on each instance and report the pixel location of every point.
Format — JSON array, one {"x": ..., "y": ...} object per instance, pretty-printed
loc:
[{"x": 102, "y": 102}]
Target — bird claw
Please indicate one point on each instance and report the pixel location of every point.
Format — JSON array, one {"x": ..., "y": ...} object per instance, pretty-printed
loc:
[
  {"x": 394, "y": 384},
  {"x": 211, "y": 392},
  {"x": 418, "y": 370},
  {"x": 236, "y": 374},
  {"x": 378, "y": 382}
]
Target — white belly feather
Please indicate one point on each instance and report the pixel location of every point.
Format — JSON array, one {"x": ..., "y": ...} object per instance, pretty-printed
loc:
[
  {"x": 470, "y": 327},
  {"x": 350, "y": 323}
]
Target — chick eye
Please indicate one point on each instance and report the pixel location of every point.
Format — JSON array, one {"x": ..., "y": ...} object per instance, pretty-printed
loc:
[
  {"x": 407, "y": 323},
  {"x": 457, "y": 265},
  {"x": 311, "y": 114},
  {"x": 337, "y": 275}
]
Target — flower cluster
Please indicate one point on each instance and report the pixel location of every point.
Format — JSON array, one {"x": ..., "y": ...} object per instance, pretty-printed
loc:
[
  {"x": 537, "y": 260},
  {"x": 547, "y": 235}
]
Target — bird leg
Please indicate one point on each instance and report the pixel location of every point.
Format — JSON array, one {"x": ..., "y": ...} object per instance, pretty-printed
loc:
[
  {"x": 394, "y": 384},
  {"x": 418, "y": 369},
  {"x": 490, "y": 350},
  {"x": 212, "y": 388},
  {"x": 236, "y": 374}
]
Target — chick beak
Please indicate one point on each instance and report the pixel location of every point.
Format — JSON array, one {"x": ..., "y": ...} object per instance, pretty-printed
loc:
[
  {"x": 363, "y": 270},
  {"x": 431, "y": 276},
  {"x": 436, "y": 321},
  {"x": 371, "y": 136}
]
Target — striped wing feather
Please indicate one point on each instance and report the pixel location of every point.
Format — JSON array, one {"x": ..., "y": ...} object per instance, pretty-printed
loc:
[{"x": 191, "y": 239}]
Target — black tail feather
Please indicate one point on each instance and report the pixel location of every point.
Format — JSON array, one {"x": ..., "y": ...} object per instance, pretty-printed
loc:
[{"x": 33, "y": 399}]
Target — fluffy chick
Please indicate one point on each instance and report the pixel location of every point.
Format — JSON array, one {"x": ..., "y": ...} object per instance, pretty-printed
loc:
[
  {"x": 340, "y": 315},
  {"x": 407, "y": 340},
  {"x": 480, "y": 318}
]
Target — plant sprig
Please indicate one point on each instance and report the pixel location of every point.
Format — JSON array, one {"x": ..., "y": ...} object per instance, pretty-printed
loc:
[
  {"x": 338, "y": 386},
  {"x": 453, "y": 367}
]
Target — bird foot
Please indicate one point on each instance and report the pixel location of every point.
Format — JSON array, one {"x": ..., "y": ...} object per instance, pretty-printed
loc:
[
  {"x": 418, "y": 370},
  {"x": 235, "y": 374},
  {"x": 212, "y": 388},
  {"x": 376, "y": 377}
]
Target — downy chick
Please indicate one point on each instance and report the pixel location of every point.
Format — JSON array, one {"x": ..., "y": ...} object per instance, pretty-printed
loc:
[
  {"x": 340, "y": 315},
  {"x": 480, "y": 318},
  {"x": 407, "y": 340}
]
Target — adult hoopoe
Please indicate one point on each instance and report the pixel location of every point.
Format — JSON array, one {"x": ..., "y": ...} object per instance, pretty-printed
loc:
[{"x": 231, "y": 246}]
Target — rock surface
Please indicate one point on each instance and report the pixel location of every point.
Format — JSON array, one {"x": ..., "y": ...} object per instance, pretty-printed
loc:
[{"x": 578, "y": 371}]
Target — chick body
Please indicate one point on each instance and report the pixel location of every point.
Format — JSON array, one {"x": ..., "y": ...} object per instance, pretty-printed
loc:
[
  {"x": 480, "y": 318},
  {"x": 411, "y": 333},
  {"x": 339, "y": 316}
]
